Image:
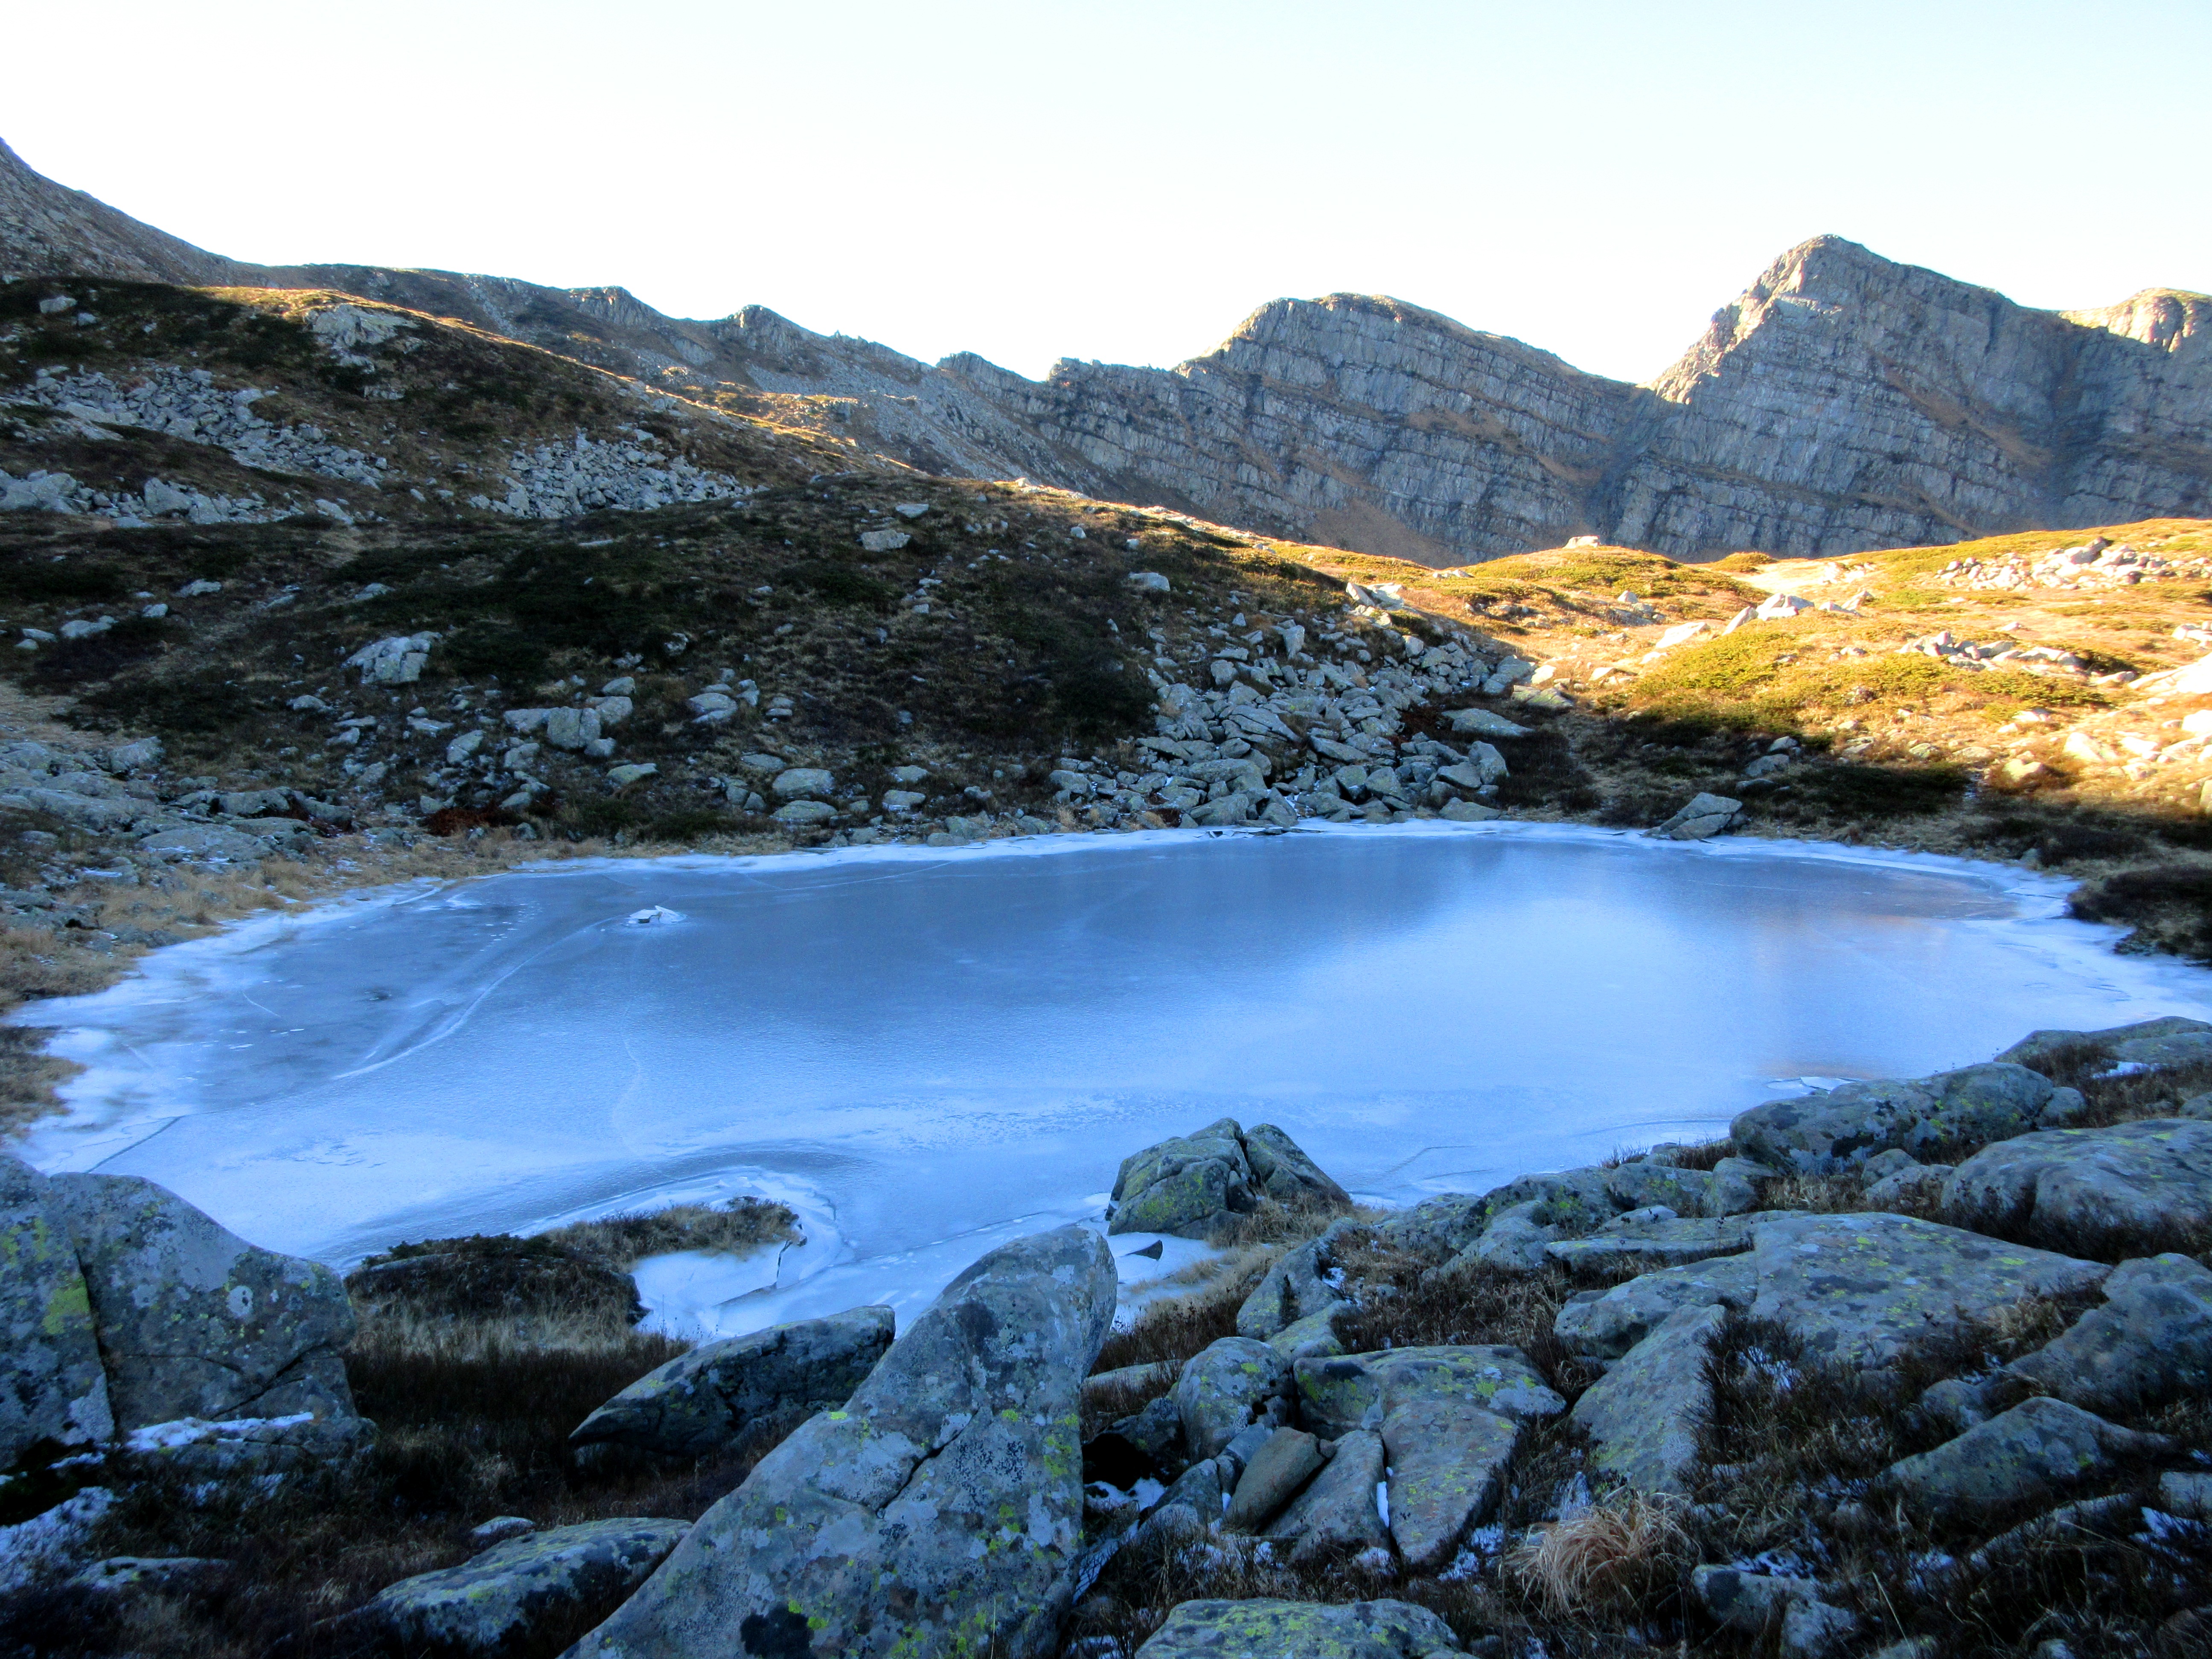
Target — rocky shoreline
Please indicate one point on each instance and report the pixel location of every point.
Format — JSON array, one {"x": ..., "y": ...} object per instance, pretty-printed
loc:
[{"x": 1852, "y": 1381}]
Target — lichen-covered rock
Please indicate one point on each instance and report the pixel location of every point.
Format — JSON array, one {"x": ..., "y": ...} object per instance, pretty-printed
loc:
[
  {"x": 1513, "y": 1243},
  {"x": 1643, "y": 1416},
  {"x": 2150, "y": 1343},
  {"x": 1842, "y": 1126},
  {"x": 1314, "y": 1337},
  {"x": 1862, "y": 1290},
  {"x": 1608, "y": 1324},
  {"x": 2142, "y": 1185},
  {"x": 1361, "y": 1390},
  {"x": 1715, "y": 1192},
  {"x": 2039, "y": 1450},
  {"x": 493, "y": 1602},
  {"x": 194, "y": 1322},
  {"x": 939, "y": 1513},
  {"x": 53, "y": 1395},
  {"x": 1338, "y": 1513},
  {"x": 708, "y": 1398},
  {"x": 1285, "y": 1462},
  {"x": 1295, "y": 1288},
  {"x": 1448, "y": 1462},
  {"x": 1300, "y": 1629},
  {"x": 2170, "y": 1041},
  {"x": 1227, "y": 1387},
  {"x": 1440, "y": 1226},
  {"x": 1913, "y": 1185},
  {"x": 1637, "y": 1240},
  {"x": 1191, "y": 1185}
]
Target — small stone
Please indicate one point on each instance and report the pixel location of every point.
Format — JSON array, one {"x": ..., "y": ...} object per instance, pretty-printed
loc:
[
  {"x": 1283, "y": 1463},
  {"x": 1704, "y": 816}
]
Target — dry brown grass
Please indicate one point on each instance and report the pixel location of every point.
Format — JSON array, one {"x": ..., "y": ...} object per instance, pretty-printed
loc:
[
  {"x": 1169, "y": 1332},
  {"x": 734, "y": 1227},
  {"x": 1619, "y": 1556}
]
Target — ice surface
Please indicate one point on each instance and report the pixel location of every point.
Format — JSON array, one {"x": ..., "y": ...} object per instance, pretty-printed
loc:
[{"x": 928, "y": 1053}]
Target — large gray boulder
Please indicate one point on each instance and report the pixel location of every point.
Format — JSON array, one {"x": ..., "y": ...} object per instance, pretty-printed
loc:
[
  {"x": 1296, "y": 1287},
  {"x": 940, "y": 1512},
  {"x": 2170, "y": 1041},
  {"x": 711, "y": 1397},
  {"x": 1862, "y": 1290},
  {"x": 1226, "y": 1387},
  {"x": 194, "y": 1322},
  {"x": 1300, "y": 1629},
  {"x": 2150, "y": 1343},
  {"x": 1192, "y": 1185},
  {"x": 2039, "y": 1450},
  {"x": 1643, "y": 1416},
  {"x": 1352, "y": 1391},
  {"x": 1449, "y": 1463},
  {"x": 493, "y": 1602},
  {"x": 1608, "y": 1324},
  {"x": 1842, "y": 1126},
  {"x": 53, "y": 1395},
  {"x": 2134, "y": 1186}
]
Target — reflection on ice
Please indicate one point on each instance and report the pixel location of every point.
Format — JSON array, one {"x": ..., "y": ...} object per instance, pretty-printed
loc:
[{"x": 926, "y": 1053}]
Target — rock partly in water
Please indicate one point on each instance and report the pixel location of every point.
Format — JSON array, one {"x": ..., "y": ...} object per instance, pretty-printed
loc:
[
  {"x": 709, "y": 1399},
  {"x": 1839, "y": 1127},
  {"x": 1643, "y": 1416},
  {"x": 493, "y": 1602},
  {"x": 1300, "y": 1629},
  {"x": 939, "y": 1513},
  {"x": 1862, "y": 1290},
  {"x": 2134, "y": 1186},
  {"x": 194, "y": 1322},
  {"x": 1700, "y": 818},
  {"x": 2039, "y": 1450},
  {"x": 53, "y": 1395},
  {"x": 1192, "y": 1185}
]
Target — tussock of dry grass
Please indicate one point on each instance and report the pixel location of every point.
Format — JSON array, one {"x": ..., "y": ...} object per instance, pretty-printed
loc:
[
  {"x": 734, "y": 1227},
  {"x": 1619, "y": 1556},
  {"x": 1167, "y": 1332}
]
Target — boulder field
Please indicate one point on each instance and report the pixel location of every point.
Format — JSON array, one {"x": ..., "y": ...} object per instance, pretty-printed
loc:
[{"x": 2007, "y": 1270}]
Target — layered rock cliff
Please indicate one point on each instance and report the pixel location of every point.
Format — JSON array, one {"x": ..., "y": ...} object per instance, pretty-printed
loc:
[{"x": 1843, "y": 401}]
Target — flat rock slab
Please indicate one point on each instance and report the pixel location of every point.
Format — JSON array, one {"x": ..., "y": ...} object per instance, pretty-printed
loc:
[
  {"x": 1643, "y": 1416},
  {"x": 2150, "y": 1343},
  {"x": 2140, "y": 1186},
  {"x": 2040, "y": 1449},
  {"x": 193, "y": 1320},
  {"x": 492, "y": 1601},
  {"x": 1861, "y": 1289},
  {"x": 1300, "y": 1629},
  {"x": 52, "y": 1392},
  {"x": 1448, "y": 1466},
  {"x": 1630, "y": 1243},
  {"x": 1338, "y": 1513},
  {"x": 939, "y": 1513},
  {"x": 1609, "y": 1323},
  {"x": 1360, "y": 1390},
  {"x": 703, "y": 1401}
]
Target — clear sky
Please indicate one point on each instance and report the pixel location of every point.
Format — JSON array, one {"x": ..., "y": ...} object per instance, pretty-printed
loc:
[{"x": 1127, "y": 181}]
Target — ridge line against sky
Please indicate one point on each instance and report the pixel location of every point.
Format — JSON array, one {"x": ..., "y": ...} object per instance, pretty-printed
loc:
[{"x": 1029, "y": 181}]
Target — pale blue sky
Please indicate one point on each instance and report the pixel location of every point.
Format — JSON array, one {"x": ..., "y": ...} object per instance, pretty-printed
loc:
[{"x": 1126, "y": 182}]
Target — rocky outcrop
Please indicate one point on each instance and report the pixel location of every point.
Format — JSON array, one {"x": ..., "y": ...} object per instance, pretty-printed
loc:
[
  {"x": 939, "y": 1512},
  {"x": 1192, "y": 1185},
  {"x": 492, "y": 1603},
  {"x": 714, "y": 1396},
  {"x": 1851, "y": 1123},
  {"x": 192, "y": 1321},
  {"x": 1842, "y": 402},
  {"x": 1354, "y": 1630},
  {"x": 2134, "y": 1186},
  {"x": 53, "y": 1395}
]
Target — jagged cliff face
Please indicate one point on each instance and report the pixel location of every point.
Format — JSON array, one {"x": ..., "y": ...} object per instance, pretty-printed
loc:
[{"x": 1842, "y": 403}]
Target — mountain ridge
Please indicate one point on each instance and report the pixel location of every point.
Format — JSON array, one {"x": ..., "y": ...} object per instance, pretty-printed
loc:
[{"x": 1843, "y": 401}]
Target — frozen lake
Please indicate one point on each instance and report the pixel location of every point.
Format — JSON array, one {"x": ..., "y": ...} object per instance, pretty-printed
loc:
[{"x": 928, "y": 1052}]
